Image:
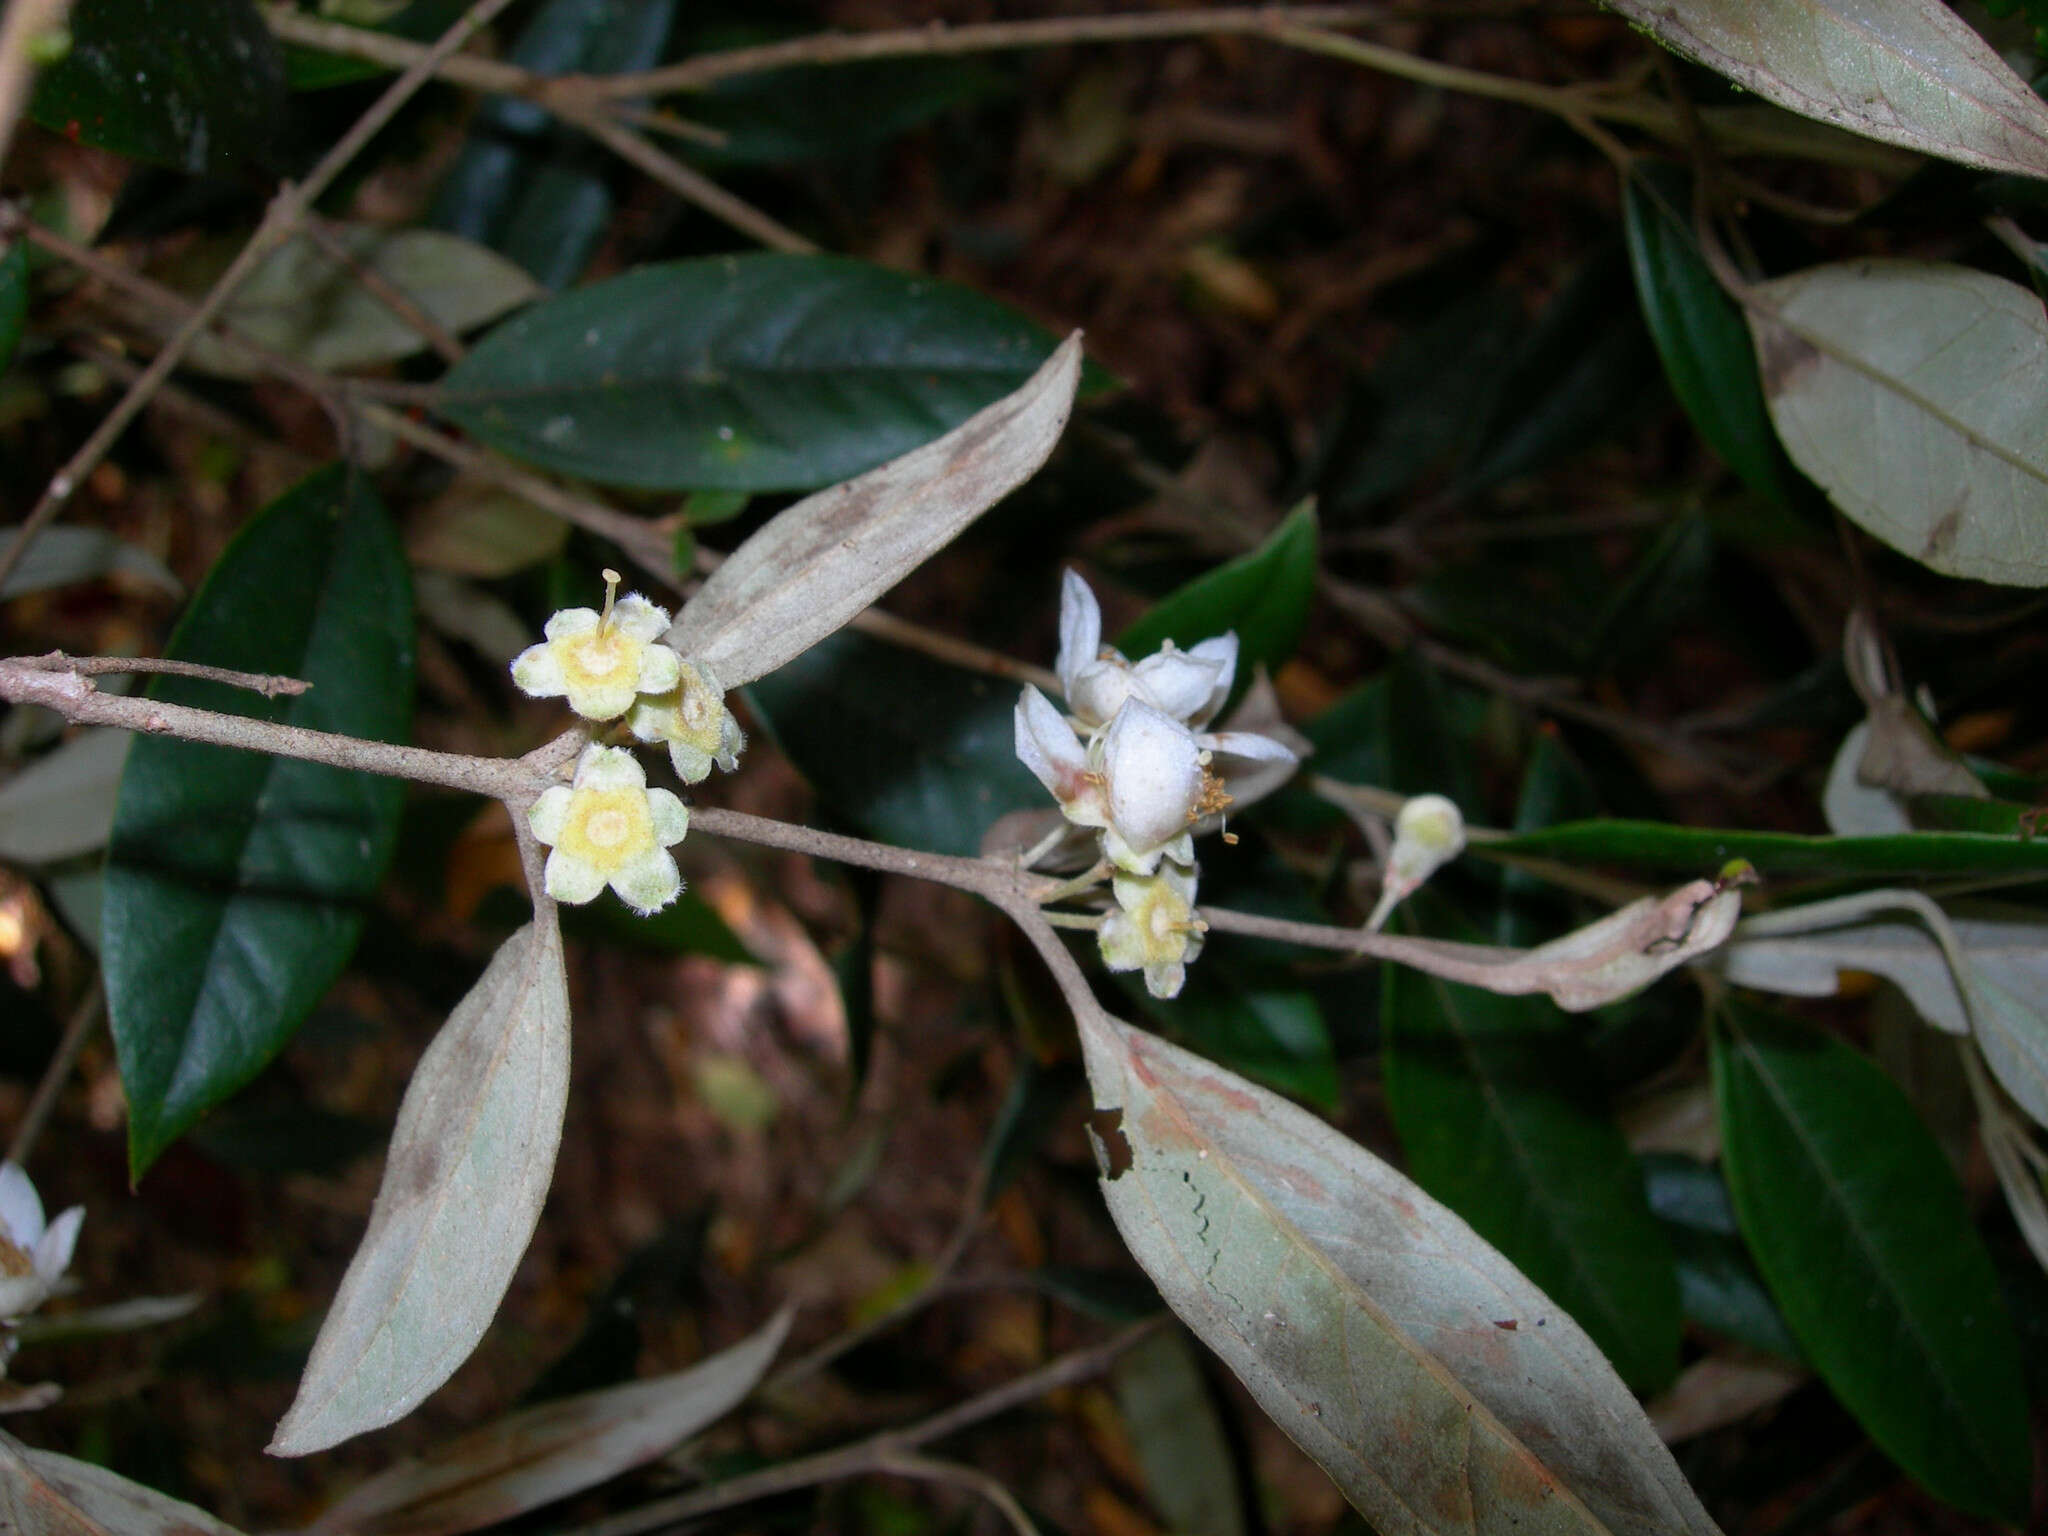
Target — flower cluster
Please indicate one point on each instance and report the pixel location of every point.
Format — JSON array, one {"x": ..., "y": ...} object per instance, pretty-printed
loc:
[
  {"x": 1131, "y": 759},
  {"x": 606, "y": 827}
]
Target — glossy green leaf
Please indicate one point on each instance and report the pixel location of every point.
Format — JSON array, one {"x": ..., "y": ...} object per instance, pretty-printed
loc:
[
  {"x": 899, "y": 747},
  {"x": 527, "y": 186},
  {"x": 757, "y": 373},
  {"x": 1913, "y": 393},
  {"x": 1863, "y": 1233},
  {"x": 13, "y": 300},
  {"x": 1654, "y": 845},
  {"x": 1264, "y": 596},
  {"x": 197, "y": 85},
  {"x": 1700, "y": 334},
  {"x": 1908, "y": 72},
  {"x": 1496, "y": 1105},
  {"x": 235, "y": 882},
  {"x": 1580, "y": 370}
]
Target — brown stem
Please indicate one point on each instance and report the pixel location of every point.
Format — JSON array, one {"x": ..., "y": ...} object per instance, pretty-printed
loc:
[
  {"x": 279, "y": 222},
  {"x": 987, "y": 37},
  {"x": 77, "y": 700},
  {"x": 267, "y": 684},
  {"x": 76, "y": 1030}
]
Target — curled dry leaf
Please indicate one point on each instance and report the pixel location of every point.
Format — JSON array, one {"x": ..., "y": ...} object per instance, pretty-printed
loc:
[
  {"x": 820, "y": 562},
  {"x": 44, "y": 1494},
  {"x": 470, "y": 1163},
  {"x": 1913, "y": 393},
  {"x": 547, "y": 1453},
  {"x": 1907, "y": 72},
  {"x": 1440, "y": 1389}
]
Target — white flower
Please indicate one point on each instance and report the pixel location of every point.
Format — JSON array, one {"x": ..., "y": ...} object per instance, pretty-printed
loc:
[
  {"x": 601, "y": 662},
  {"x": 1428, "y": 833},
  {"x": 1154, "y": 928},
  {"x": 608, "y": 828},
  {"x": 1188, "y": 685},
  {"x": 1047, "y": 745},
  {"x": 693, "y": 720},
  {"x": 1158, "y": 783},
  {"x": 33, "y": 1256}
]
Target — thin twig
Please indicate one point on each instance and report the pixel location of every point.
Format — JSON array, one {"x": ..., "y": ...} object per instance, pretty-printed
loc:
[
  {"x": 986, "y": 37},
  {"x": 57, "y": 1073},
  {"x": 693, "y": 186},
  {"x": 269, "y": 685},
  {"x": 974, "y": 1481},
  {"x": 280, "y": 220},
  {"x": 882, "y": 1453},
  {"x": 27, "y": 22}
]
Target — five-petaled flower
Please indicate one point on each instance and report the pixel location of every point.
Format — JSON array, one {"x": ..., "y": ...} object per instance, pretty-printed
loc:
[
  {"x": 606, "y": 827},
  {"x": 693, "y": 720},
  {"x": 601, "y": 662},
  {"x": 1154, "y": 928},
  {"x": 33, "y": 1255},
  {"x": 1189, "y": 685}
]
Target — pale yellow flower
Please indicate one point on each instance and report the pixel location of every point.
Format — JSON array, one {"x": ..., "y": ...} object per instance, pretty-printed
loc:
[
  {"x": 608, "y": 828},
  {"x": 600, "y": 662},
  {"x": 693, "y": 720},
  {"x": 1154, "y": 928}
]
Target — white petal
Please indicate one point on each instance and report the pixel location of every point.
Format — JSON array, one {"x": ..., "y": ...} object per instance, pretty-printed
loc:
[
  {"x": 691, "y": 763},
  {"x": 1250, "y": 746},
  {"x": 1098, "y": 691},
  {"x": 1155, "y": 775},
  {"x": 1080, "y": 630},
  {"x": 21, "y": 1208},
  {"x": 1178, "y": 682},
  {"x": 654, "y": 719},
  {"x": 1047, "y": 745},
  {"x": 53, "y": 1253},
  {"x": 604, "y": 700},
  {"x": 538, "y": 672},
  {"x": 570, "y": 621},
  {"x": 22, "y": 1293},
  {"x": 1221, "y": 649},
  {"x": 1121, "y": 942},
  {"x": 572, "y": 879},
  {"x": 660, "y": 669},
  {"x": 1166, "y": 980},
  {"x": 609, "y": 768},
  {"x": 634, "y": 615},
  {"x": 732, "y": 741},
  {"x": 550, "y": 813},
  {"x": 671, "y": 817},
  {"x": 649, "y": 883}
]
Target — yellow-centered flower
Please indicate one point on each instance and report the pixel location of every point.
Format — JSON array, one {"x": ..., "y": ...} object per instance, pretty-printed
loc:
[
  {"x": 608, "y": 828},
  {"x": 600, "y": 662},
  {"x": 693, "y": 720}
]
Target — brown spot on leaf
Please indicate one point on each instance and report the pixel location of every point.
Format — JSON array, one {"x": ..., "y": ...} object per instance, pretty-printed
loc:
[{"x": 1783, "y": 358}]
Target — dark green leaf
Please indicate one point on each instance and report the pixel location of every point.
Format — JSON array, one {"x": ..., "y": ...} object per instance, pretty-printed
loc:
[
  {"x": 1579, "y": 373},
  {"x": 524, "y": 185},
  {"x": 13, "y": 300},
  {"x": 1496, "y": 1107},
  {"x": 811, "y": 114},
  {"x": 703, "y": 508},
  {"x": 1862, "y": 1231},
  {"x": 1701, "y": 335},
  {"x": 197, "y": 85},
  {"x": 1653, "y": 845},
  {"x": 1718, "y": 1286},
  {"x": 1396, "y": 732},
  {"x": 1665, "y": 585},
  {"x": 899, "y": 747},
  {"x": 755, "y": 373},
  {"x": 1417, "y": 404},
  {"x": 273, "y": 1139},
  {"x": 236, "y": 882},
  {"x": 1264, "y": 596},
  {"x": 1033, "y": 1109}
]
